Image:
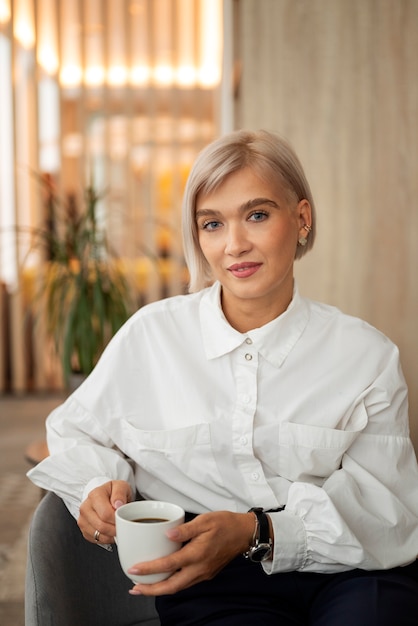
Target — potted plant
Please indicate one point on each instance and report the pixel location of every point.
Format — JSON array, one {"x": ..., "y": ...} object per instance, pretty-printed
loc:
[{"x": 83, "y": 295}]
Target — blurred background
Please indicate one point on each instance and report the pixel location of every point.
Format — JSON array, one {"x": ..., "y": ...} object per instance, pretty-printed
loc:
[{"x": 103, "y": 106}]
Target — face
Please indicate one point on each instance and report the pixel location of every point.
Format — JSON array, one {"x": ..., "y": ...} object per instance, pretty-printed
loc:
[{"x": 248, "y": 232}]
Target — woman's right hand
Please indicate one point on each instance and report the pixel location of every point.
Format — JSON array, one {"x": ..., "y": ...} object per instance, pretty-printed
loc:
[
  {"x": 211, "y": 540},
  {"x": 97, "y": 512}
]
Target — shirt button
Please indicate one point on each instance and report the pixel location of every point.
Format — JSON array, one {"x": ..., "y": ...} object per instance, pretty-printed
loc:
[
  {"x": 245, "y": 399},
  {"x": 249, "y": 341},
  {"x": 248, "y": 357},
  {"x": 243, "y": 441},
  {"x": 255, "y": 475}
]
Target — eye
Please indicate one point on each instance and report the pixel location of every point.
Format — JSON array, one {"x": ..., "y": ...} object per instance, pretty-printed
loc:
[
  {"x": 210, "y": 225},
  {"x": 258, "y": 216}
]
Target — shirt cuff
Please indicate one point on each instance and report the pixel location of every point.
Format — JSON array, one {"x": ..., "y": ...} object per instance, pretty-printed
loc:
[
  {"x": 97, "y": 481},
  {"x": 290, "y": 546}
]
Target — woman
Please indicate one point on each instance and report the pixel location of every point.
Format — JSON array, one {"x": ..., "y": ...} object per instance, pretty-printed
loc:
[{"x": 243, "y": 395}]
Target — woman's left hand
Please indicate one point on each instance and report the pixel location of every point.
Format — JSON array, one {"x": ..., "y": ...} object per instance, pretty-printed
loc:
[{"x": 213, "y": 540}]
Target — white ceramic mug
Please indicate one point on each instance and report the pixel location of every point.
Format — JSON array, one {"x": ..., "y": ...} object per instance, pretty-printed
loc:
[{"x": 140, "y": 541}]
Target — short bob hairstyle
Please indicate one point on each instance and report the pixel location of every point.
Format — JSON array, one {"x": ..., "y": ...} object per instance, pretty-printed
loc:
[{"x": 269, "y": 156}]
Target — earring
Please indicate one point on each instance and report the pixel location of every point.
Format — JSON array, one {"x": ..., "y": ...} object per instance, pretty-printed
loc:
[{"x": 302, "y": 241}]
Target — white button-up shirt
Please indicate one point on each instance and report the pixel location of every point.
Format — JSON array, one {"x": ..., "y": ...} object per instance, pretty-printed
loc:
[{"x": 309, "y": 411}]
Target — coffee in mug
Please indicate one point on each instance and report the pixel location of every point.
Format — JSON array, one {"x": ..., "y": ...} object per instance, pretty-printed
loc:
[
  {"x": 141, "y": 535},
  {"x": 150, "y": 520}
]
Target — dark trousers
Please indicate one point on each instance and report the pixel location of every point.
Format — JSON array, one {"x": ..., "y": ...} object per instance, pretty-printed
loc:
[{"x": 243, "y": 595}]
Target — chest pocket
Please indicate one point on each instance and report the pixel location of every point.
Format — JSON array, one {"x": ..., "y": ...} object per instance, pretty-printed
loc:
[
  {"x": 184, "y": 453},
  {"x": 311, "y": 453}
]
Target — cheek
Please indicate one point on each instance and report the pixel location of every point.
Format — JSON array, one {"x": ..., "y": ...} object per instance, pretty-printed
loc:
[
  {"x": 283, "y": 244},
  {"x": 209, "y": 246}
]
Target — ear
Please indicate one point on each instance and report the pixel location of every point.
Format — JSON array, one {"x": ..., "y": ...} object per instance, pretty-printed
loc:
[{"x": 304, "y": 215}]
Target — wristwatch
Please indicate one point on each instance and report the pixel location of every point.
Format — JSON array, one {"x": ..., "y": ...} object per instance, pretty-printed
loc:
[{"x": 262, "y": 544}]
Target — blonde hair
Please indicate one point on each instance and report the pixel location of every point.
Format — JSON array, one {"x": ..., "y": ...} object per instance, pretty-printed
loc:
[{"x": 269, "y": 156}]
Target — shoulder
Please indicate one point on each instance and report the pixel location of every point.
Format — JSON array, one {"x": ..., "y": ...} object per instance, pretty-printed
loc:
[
  {"x": 348, "y": 330},
  {"x": 181, "y": 310},
  {"x": 158, "y": 328}
]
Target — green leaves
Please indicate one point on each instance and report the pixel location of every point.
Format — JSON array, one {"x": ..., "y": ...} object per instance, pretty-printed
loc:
[{"x": 85, "y": 295}]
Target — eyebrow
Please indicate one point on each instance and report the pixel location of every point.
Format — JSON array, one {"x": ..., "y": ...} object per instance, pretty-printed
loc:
[{"x": 250, "y": 204}]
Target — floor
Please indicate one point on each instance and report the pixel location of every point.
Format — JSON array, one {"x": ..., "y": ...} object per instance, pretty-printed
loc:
[{"x": 21, "y": 422}]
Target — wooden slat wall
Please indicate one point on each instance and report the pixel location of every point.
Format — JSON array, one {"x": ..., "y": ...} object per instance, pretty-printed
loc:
[{"x": 339, "y": 79}]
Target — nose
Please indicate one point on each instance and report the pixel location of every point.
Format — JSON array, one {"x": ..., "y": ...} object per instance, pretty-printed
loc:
[{"x": 236, "y": 241}]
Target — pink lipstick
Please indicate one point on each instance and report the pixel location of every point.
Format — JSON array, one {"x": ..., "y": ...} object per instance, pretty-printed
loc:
[{"x": 244, "y": 270}]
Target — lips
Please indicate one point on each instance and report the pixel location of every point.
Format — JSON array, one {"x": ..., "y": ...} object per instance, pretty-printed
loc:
[{"x": 244, "y": 270}]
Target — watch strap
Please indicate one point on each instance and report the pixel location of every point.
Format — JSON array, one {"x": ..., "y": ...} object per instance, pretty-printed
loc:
[
  {"x": 261, "y": 547},
  {"x": 263, "y": 534}
]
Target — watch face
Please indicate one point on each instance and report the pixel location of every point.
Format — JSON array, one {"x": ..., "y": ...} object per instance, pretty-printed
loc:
[{"x": 261, "y": 553}]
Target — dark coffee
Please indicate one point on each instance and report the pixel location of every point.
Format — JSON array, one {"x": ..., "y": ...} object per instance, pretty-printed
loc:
[{"x": 150, "y": 520}]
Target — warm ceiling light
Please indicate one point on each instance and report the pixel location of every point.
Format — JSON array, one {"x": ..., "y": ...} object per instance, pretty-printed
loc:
[
  {"x": 209, "y": 76},
  {"x": 186, "y": 76},
  {"x": 5, "y": 12},
  {"x": 24, "y": 34},
  {"x": 140, "y": 75},
  {"x": 70, "y": 47},
  {"x": 189, "y": 57},
  {"x": 94, "y": 75},
  {"x": 163, "y": 75},
  {"x": 47, "y": 37},
  {"x": 24, "y": 23},
  {"x": 186, "y": 73},
  {"x": 70, "y": 76},
  {"x": 117, "y": 75},
  {"x": 210, "y": 43},
  {"x": 48, "y": 59}
]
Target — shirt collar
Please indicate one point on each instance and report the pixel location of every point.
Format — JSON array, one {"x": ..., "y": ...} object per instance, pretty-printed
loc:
[{"x": 273, "y": 341}]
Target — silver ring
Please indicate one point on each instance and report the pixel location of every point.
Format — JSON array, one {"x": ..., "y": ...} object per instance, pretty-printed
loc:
[{"x": 96, "y": 536}]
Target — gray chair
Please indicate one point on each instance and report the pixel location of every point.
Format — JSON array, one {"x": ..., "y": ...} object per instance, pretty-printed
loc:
[{"x": 70, "y": 581}]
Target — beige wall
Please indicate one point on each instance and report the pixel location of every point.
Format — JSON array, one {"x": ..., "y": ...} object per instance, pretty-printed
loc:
[{"x": 339, "y": 79}]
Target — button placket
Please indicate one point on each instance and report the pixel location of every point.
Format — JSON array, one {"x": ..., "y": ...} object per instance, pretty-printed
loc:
[
  {"x": 243, "y": 419},
  {"x": 245, "y": 372},
  {"x": 249, "y": 466}
]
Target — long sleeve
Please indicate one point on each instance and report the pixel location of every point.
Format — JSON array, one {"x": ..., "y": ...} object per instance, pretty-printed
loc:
[
  {"x": 365, "y": 514},
  {"x": 82, "y": 456}
]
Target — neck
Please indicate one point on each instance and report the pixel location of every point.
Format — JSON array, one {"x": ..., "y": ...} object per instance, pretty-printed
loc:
[{"x": 247, "y": 315}]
